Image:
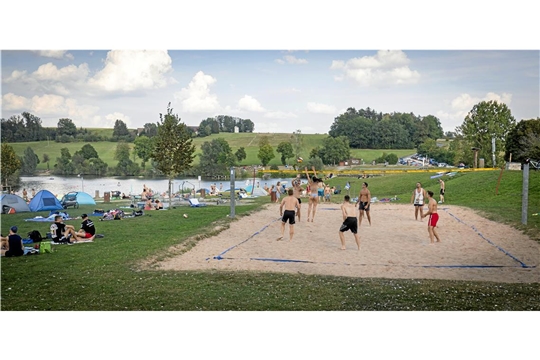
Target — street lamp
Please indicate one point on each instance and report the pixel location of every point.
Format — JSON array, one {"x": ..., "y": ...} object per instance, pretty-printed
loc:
[{"x": 82, "y": 182}]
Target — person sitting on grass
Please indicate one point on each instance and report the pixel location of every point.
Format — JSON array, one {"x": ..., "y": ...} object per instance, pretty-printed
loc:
[
  {"x": 148, "y": 205},
  {"x": 61, "y": 233},
  {"x": 158, "y": 205},
  {"x": 87, "y": 230},
  {"x": 12, "y": 244}
]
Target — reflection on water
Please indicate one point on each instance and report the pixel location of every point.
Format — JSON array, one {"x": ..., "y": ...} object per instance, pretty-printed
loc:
[{"x": 60, "y": 185}]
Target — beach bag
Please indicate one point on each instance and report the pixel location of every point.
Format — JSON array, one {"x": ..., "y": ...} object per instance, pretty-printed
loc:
[
  {"x": 35, "y": 236},
  {"x": 45, "y": 247}
]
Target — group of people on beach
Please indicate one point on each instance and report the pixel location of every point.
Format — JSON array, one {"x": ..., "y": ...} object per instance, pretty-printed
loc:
[{"x": 290, "y": 208}]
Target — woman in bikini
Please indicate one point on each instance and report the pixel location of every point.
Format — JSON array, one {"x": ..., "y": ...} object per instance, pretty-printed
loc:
[{"x": 313, "y": 193}]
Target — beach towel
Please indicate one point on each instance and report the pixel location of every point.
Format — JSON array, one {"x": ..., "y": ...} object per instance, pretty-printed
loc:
[{"x": 195, "y": 203}]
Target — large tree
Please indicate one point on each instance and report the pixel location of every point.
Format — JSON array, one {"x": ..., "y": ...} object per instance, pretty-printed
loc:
[
  {"x": 174, "y": 149},
  {"x": 216, "y": 157},
  {"x": 29, "y": 162},
  {"x": 286, "y": 150},
  {"x": 335, "y": 149},
  {"x": 120, "y": 129},
  {"x": 488, "y": 120},
  {"x": 65, "y": 127},
  {"x": 144, "y": 147},
  {"x": 266, "y": 154},
  {"x": 10, "y": 162},
  {"x": 524, "y": 141}
]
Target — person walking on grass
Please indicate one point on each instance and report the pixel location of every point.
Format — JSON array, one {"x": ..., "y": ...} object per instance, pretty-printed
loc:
[
  {"x": 291, "y": 204},
  {"x": 418, "y": 197},
  {"x": 313, "y": 193},
  {"x": 433, "y": 218},
  {"x": 349, "y": 222},
  {"x": 364, "y": 198}
]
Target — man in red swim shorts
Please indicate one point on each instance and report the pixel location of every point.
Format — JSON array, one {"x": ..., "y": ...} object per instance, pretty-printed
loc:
[{"x": 433, "y": 217}]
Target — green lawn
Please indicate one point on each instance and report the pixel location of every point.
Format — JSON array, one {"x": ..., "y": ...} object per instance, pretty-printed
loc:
[{"x": 106, "y": 274}]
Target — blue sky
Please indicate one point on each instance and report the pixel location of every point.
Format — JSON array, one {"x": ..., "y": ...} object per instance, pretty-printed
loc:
[{"x": 279, "y": 90}]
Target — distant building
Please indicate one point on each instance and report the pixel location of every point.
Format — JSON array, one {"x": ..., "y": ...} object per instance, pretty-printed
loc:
[
  {"x": 236, "y": 129},
  {"x": 140, "y": 131}
]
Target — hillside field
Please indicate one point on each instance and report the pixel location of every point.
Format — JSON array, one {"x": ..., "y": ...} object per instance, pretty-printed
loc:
[{"x": 250, "y": 142}]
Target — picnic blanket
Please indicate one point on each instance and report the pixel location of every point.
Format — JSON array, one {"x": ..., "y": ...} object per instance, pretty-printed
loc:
[{"x": 50, "y": 218}]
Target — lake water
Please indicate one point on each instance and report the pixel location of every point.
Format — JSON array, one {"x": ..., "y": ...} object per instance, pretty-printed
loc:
[{"x": 60, "y": 185}]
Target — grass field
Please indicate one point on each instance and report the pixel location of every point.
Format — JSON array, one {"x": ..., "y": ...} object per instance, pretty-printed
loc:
[
  {"x": 107, "y": 274},
  {"x": 250, "y": 141}
]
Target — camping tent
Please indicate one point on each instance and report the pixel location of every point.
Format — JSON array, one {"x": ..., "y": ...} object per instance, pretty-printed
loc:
[
  {"x": 15, "y": 202},
  {"x": 45, "y": 200},
  {"x": 81, "y": 197},
  {"x": 257, "y": 192}
]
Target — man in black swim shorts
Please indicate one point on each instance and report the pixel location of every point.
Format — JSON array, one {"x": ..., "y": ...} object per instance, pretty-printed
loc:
[
  {"x": 349, "y": 222},
  {"x": 290, "y": 203}
]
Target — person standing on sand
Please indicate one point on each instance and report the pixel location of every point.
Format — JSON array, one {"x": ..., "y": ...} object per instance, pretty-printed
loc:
[
  {"x": 349, "y": 222},
  {"x": 418, "y": 197},
  {"x": 433, "y": 218},
  {"x": 297, "y": 191},
  {"x": 364, "y": 198},
  {"x": 313, "y": 193},
  {"x": 290, "y": 203},
  {"x": 441, "y": 193}
]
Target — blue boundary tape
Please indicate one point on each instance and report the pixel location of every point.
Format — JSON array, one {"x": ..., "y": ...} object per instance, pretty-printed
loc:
[{"x": 489, "y": 241}]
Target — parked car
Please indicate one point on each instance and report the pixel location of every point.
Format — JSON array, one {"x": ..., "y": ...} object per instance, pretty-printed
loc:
[{"x": 442, "y": 164}]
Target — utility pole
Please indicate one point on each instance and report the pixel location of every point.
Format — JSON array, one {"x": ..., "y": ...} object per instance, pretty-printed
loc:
[
  {"x": 525, "y": 194},
  {"x": 233, "y": 194}
]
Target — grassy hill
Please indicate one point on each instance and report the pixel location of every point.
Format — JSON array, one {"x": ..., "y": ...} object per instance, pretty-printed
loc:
[{"x": 250, "y": 141}]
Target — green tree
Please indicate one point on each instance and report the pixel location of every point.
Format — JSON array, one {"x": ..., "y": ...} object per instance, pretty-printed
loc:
[
  {"x": 150, "y": 129},
  {"x": 65, "y": 127},
  {"x": 122, "y": 151},
  {"x": 120, "y": 129},
  {"x": 46, "y": 159},
  {"x": 87, "y": 152},
  {"x": 286, "y": 151},
  {"x": 216, "y": 157},
  {"x": 29, "y": 162},
  {"x": 63, "y": 164},
  {"x": 10, "y": 163},
  {"x": 297, "y": 142},
  {"x": 97, "y": 167},
  {"x": 144, "y": 147},
  {"x": 524, "y": 141},
  {"x": 335, "y": 149},
  {"x": 266, "y": 154},
  {"x": 487, "y": 120},
  {"x": 240, "y": 154},
  {"x": 174, "y": 149}
]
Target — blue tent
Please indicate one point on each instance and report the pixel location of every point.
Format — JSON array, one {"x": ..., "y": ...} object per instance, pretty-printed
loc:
[
  {"x": 45, "y": 200},
  {"x": 81, "y": 197}
]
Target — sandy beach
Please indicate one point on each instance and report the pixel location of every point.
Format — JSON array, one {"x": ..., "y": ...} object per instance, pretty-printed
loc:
[{"x": 396, "y": 246}]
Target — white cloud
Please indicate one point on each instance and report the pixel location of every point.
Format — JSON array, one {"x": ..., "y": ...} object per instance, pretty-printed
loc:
[
  {"x": 11, "y": 101},
  {"x": 73, "y": 73},
  {"x": 111, "y": 119},
  {"x": 55, "y": 54},
  {"x": 387, "y": 67},
  {"x": 15, "y": 76},
  {"x": 291, "y": 60},
  {"x": 130, "y": 70},
  {"x": 196, "y": 97},
  {"x": 291, "y": 90},
  {"x": 249, "y": 103},
  {"x": 280, "y": 115},
  {"x": 321, "y": 108},
  {"x": 461, "y": 105}
]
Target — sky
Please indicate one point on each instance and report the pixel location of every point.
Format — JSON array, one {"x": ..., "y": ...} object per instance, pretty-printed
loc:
[{"x": 279, "y": 90}]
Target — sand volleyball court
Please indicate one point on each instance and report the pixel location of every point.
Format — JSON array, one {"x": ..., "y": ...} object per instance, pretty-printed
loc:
[{"x": 394, "y": 246}]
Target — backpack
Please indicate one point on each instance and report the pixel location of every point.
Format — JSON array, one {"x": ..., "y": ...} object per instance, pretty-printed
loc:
[{"x": 35, "y": 236}]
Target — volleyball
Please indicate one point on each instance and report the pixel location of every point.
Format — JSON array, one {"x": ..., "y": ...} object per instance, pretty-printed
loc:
[
  {"x": 299, "y": 159},
  {"x": 185, "y": 215}
]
